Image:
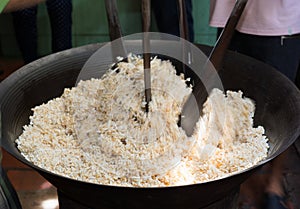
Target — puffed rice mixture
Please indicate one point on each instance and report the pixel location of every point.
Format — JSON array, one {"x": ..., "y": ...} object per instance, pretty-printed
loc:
[{"x": 99, "y": 131}]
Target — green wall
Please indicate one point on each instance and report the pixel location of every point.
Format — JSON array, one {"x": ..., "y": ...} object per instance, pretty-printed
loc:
[{"x": 90, "y": 25}]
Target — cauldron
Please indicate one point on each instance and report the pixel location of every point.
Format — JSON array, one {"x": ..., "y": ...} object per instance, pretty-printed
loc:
[{"x": 278, "y": 110}]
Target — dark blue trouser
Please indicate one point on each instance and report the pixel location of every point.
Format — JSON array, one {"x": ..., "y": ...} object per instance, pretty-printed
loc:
[
  {"x": 25, "y": 24},
  {"x": 167, "y": 17}
]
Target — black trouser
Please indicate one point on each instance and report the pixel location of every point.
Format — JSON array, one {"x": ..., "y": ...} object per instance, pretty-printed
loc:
[
  {"x": 283, "y": 53},
  {"x": 167, "y": 17},
  {"x": 298, "y": 77},
  {"x": 25, "y": 24}
]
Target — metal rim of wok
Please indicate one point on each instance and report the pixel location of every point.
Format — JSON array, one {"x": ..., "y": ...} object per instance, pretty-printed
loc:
[{"x": 278, "y": 110}]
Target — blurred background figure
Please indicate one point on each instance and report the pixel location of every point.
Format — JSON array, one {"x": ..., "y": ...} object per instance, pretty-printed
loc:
[
  {"x": 13, "y": 5},
  {"x": 25, "y": 25},
  {"x": 269, "y": 31},
  {"x": 166, "y": 13},
  {"x": 8, "y": 196}
]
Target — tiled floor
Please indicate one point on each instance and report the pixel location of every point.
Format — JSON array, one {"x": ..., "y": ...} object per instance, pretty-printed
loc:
[
  {"x": 8, "y": 65},
  {"x": 36, "y": 193},
  {"x": 33, "y": 190}
]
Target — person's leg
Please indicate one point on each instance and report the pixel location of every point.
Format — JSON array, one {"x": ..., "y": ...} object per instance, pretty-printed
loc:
[
  {"x": 26, "y": 32},
  {"x": 167, "y": 17},
  {"x": 60, "y": 15},
  {"x": 190, "y": 20},
  {"x": 298, "y": 77},
  {"x": 275, "y": 197},
  {"x": 274, "y": 185}
]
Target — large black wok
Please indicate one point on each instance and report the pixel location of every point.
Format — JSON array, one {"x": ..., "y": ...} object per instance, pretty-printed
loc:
[{"x": 278, "y": 110}]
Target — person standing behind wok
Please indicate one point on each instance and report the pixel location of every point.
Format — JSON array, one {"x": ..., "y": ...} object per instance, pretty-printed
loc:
[
  {"x": 8, "y": 196},
  {"x": 25, "y": 25},
  {"x": 268, "y": 30}
]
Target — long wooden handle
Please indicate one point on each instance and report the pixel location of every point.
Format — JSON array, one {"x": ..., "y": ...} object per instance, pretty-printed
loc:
[
  {"x": 113, "y": 20},
  {"x": 115, "y": 32},
  {"x": 218, "y": 52},
  {"x": 146, "y": 20},
  {"x": 146, "y": 14},
  {"x": 184, "y": 34},
  {"x": 216, "y": 57},
  {"x": 183, "y": 26}
]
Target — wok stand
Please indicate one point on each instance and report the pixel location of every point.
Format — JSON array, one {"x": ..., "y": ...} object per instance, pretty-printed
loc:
[{"x": 230, "y": 201}]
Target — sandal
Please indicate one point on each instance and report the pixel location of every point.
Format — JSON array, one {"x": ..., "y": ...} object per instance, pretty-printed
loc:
[
  {"x": 273, "y": 201},
  {"x": 247, "y": 206}
]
